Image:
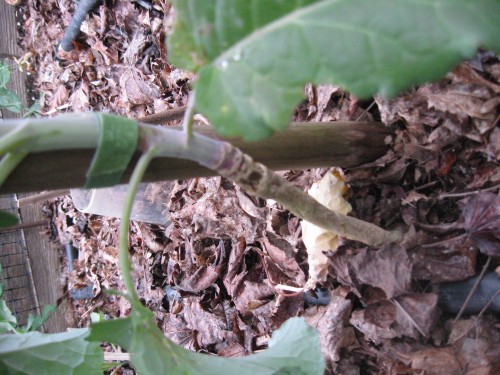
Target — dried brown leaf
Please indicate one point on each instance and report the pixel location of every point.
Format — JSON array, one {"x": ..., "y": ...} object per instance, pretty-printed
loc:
[
  {"x": 482, "y": 222},
  {"x": 436, "y": 361},
  {"x": 475, "y": 342},
  {"x": 372, "y": 332},
  {"x": 136, "y": 88},
  {"x": 209, "y": 327},
  {"x": 417, "y": 314},
  {"x": 334, "y": 332},
  {"x": 440, "y": 263},
  {"x": 281, "y": 257},
  {"x": 389, "y": 269}
]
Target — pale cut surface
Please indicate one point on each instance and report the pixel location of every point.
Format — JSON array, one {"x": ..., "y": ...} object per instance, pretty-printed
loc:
[{"x": 329, "y": 191}]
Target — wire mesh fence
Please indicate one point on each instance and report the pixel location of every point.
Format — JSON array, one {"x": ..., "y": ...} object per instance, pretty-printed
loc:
[{"x": 16, "y": 275}]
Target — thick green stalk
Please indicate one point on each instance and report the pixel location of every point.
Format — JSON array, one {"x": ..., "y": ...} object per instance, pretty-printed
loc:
[
  {"x": 81, "y": 131},
  {"x": 14, "y": 139},
  {"x": 187, "y": 123},
  {"x": 66, "y": 132},
  {"x": 124, "y": 260},
  {"x": 9, "y": 162}
]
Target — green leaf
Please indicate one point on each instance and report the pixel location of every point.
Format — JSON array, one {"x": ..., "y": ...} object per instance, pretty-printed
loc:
[
  {"x": 6, "y": 327},
  {"x": 8, "y": 321},
  {"x": 251, "y": 73},
  {"x": 116, "y": 331},
  {"x": 4, "y": 73},
  {"x": 293, "y": 348},
  {"x": 35, "y": 322},
  {"x": 7, "y": 219},
  {"x": 33, "y": 110},
  {"x": 9, "y": 100},
  {"x": 59, "y": 353},
  {"x": 219, "y": 25},
  {"x": 117, "y": 143}
]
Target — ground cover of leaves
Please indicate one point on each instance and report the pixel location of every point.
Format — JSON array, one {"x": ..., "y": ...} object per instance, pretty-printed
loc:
[{"x": 211, "y": 276}]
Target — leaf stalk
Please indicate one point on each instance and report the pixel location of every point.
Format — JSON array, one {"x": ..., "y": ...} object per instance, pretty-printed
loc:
[{"x": 124, "y": 259}]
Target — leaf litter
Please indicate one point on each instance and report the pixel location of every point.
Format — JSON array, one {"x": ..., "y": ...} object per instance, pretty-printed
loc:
[{"x": 213, "y": 276}]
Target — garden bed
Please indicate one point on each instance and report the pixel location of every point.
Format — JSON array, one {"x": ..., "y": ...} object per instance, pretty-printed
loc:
[{"x": 212, "y": 276}]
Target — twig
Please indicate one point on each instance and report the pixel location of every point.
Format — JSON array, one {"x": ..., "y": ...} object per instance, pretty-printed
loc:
[
  {"x": 33, "y": 224},
  {"x": 164, "y": 116},
  {"x": 425, "y": 186},
  {"x": 366, "y": 110},
  {"x": 443, "y": 242},
  {"x": 258, "y": 180},
  {"x": 409, "y": 317},
  {"x": 467, "y": 193},
  {"x": 43, "y": 196},
  {"x": 116, "y": 356},
  {"x": 472, "y": 291},
  {"x": 485, "y": 308}
]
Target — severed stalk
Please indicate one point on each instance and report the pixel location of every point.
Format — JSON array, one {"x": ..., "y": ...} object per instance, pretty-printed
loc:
[{"x": 81, "y": 131}]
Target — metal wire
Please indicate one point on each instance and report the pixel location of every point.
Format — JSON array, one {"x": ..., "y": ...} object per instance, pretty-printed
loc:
[{"x": 16, "y": 276}]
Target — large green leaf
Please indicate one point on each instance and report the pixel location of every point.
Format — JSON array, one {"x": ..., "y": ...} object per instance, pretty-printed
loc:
[
  {"x": 117, "y": 331},
  {"x": 252, "y": 68},
  {"x": 293, "y": 348},
  {"x": 59, "y": 353},
  {"x": 9, "y": 100},
  {"x": 205, "y": 29}
]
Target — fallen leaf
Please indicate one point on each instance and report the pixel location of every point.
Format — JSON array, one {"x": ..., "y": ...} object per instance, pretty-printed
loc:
[
  {"x": 444, "y": 263},
  {"x": 137, "y": 89},
  {"x": 417, "y": 314},
  {"x": 482, "y": 222},
  {"x": 332, "y": 324},
  {"x": 372, "y": 332},
  {"x": 389, "y": 269},
  {"x": 475, "y": 342},
  {"x": 436, "y": 361}
]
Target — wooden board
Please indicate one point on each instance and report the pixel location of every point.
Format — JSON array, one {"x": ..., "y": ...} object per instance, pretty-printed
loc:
[
  {"x": 8, "y": 45},
  {"x": 44, "y": 257}
]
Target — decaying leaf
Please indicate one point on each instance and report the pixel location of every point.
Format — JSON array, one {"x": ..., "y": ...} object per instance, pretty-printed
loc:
[
  {"x": 387, "y": 271},
  {"x": 471, "y": 349},
  {"x": 475, "y": 342},
  {"x": 412, "y": 315},
  {"x": 388, "y": 268},
  {"x": 371, "y": 331},
  {"x": 330, "y": 192},
  {"x": 332, "y": 324},
  {"x": 436, "y": 361},
  {"x": 482, "y": 222}
]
